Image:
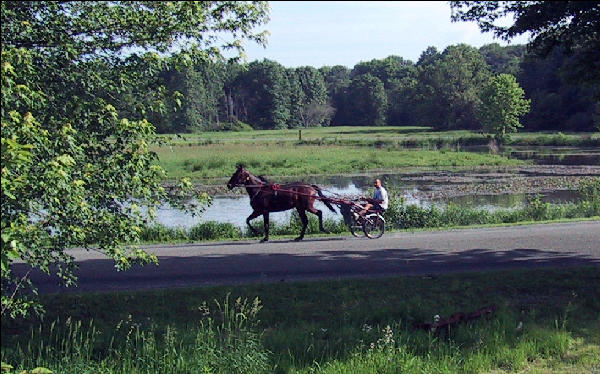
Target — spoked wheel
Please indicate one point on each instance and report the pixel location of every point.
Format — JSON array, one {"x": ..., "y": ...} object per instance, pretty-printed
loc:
[
  {"x": 374, "y": 226},
  {"x": 349, "y": 213},
  {"x": 355, "y": 228}
]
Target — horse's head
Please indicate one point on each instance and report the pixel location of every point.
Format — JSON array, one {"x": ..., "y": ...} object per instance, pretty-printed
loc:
[{"x": 238, "y": 178}]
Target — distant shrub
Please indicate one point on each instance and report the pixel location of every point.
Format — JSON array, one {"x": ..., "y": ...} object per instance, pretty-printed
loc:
[
  {"x": 414, "y": 216},
  {"x": 589, "y": 192},
  {"x": 214, "y": 230},
  {"x": 236, "y": 126},
  {"x": 294, "y": 226},
  {"x": 160, "y": 233},
  {"x": 589, "y": 189},
  {"x": 457, "y": 215},
  {"x": 536, "y": 209}
]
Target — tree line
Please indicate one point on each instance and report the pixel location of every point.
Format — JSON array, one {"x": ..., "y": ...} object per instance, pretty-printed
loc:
[{"x": 443, "y": 89}]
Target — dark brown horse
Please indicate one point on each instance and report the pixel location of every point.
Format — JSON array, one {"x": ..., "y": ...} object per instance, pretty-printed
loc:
[{"x": 266, "y": 197}]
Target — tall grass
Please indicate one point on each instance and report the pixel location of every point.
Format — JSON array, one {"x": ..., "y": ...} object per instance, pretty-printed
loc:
[
  {"x": 338, "y": 150},
  {"x": 557, "y": 139},
  {"x": 352, "y": 326},
  {"x": 491, "y": 345},
  {"x": 225, "y": 341}
]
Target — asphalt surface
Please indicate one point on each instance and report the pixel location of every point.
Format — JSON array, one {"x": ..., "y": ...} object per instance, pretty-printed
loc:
[{"x": 394, "y": 254}]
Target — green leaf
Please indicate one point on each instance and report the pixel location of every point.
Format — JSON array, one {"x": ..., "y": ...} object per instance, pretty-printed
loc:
[
  {"x": 6, "y": 367},
  {"x": 41, "y": 370},
  {"x": 74, "y": 146}
]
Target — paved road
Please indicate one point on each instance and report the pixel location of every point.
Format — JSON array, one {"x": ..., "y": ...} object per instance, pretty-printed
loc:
[{"x": 531, "y": 246}]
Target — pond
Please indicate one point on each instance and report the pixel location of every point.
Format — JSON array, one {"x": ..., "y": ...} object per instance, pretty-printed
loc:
[
  {"x": 486, "y": 189},
  {"x": 551, "y": 155},
  {"x": 553, "y": 176}
]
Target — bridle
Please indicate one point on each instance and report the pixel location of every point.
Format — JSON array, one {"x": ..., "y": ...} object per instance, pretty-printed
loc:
[
  {"x": 245, "y": 183},
  {"x": 260, "y": 185}
]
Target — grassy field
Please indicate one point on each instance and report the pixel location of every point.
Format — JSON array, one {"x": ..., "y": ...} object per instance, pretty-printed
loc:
[
  {"x": 381, "y": 135},
  {"x": 547, "y": 321},
  {"x": 339, "y": 150},
  {"x": 219, "y": 160}
]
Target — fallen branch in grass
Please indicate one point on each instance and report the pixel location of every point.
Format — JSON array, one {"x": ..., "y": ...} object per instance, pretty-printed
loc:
[{"x": 455, "y": 319}]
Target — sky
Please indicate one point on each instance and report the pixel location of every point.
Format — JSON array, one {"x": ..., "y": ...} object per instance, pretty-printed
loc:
[{"x": 328, "y": 33}]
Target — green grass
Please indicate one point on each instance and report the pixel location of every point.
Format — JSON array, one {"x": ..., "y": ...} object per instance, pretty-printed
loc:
[
  {"x": 348, "y": 326},
  {"x": 335, "y": 150},
  {"x": 415, "y": 136},
  {"x": 219, "y": 160},
  {"x": 292, "y": 135}
]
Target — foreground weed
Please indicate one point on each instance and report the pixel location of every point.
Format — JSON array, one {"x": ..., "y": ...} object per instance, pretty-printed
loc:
[
  {"x": 545, "y": 318},
  {"x": 224, "y": 342}
]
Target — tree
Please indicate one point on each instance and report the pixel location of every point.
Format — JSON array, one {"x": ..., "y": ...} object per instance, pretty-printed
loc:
[
  {"x": 556, "y": 104},
  {"x": 297, "y": 99},
  {"x": 368, "y": 101},
  {"x": 503, "y": 60},
  {"x": 312, "y": 83},
  {"x": 387, "y": 70},
  {"x": 233, "y": 98},
  {"x": 448, "y": 87},
  {"x": 266, "y": 95},
  {"x": 398, "y": 78},
  {"x": 337, "y": 80},
  {"x": 503, "y": 102},
  {"x": 316, "y": 114},
  {"x": 401, "y": 100},
  {"x": 75, "y": 172},
  {"x": 187, "y": 110},
  {"x": 429, "y": 56},
  {"x": 313, "y": 108},
  {"x": 572, "y": 26}
]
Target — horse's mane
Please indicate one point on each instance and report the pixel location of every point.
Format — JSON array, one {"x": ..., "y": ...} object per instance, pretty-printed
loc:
[{"x": 262, "y": 178}]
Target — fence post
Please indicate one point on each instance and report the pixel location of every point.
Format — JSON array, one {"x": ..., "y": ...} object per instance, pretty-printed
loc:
[{"x": 299, "y": 135}]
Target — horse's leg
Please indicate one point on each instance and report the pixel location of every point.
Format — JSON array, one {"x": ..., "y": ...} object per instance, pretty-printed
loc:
[
  {"x": 266, "y": 225},
  {"x": 304, "y": 220},
  {"x": 319, "y": 214},
  {"x": 250, "y": 218}
]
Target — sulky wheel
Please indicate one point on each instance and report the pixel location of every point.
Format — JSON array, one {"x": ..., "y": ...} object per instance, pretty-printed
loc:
[
  {"x": 374, "y": 226},
  {"x": 355, "y": 227}
]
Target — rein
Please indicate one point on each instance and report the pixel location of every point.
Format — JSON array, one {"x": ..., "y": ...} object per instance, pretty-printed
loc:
[
  {"x": 272, "y": 186},
  {"x": 276, "y": 187}
]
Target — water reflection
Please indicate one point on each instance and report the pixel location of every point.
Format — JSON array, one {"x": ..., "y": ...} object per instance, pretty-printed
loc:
[
  {"x": 508, "y": 201},
  {"x": 556, "y": 155},
  {"x": 235, "y": 209}
]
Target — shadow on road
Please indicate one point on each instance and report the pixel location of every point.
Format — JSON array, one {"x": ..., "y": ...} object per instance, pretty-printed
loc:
[{"x": 199, "y": 270}]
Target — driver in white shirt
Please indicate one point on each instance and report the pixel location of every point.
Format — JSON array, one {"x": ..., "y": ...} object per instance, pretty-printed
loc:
[{"x": 379, "y": 201}]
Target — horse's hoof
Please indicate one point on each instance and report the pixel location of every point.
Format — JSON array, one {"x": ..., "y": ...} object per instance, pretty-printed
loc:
[
  {"x": 298, "y": 238},
  {"x": 264, "y": 240}
]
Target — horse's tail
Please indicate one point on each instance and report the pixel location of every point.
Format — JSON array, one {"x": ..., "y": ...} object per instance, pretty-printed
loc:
[{"x": 324, "y": 199}]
